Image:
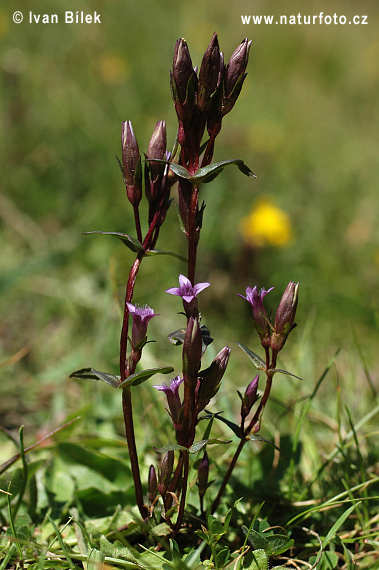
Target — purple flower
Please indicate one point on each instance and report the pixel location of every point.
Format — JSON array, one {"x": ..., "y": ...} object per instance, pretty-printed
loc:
[
  {"x": 260, "y": 318},
  {"x": 172, "y": 394},
  {"x": 141, "y": 317},
  {"x": 185, "y": 290}
]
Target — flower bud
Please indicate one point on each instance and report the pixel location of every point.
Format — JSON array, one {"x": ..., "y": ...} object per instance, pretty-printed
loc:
[
  {"x": 152, "y": 483},
  {"x": 157, "y": 149},
  {"x": 181, "y": 68},
  {"x": 167, "y": 465},
  {"x": 183, "y": 81},
  {"x": 235, "y": 75},
  {"x": 209, "y": 73},
  {"x": 210, "y": 379},
  {"x": 285, "y": 316},
  {"x": 131, "y": 162},
  {"x": 250, "y": 397},
  {"x": 192, "y": 350}
]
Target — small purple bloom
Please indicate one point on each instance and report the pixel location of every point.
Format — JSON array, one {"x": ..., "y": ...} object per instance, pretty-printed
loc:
[
  {"x": 185, "y": 290},
  {"x": 260, "y": 318},
  {"x": 172, "y": 394},
  {"x": 173, "y": 387},
  {"x": 141, "y": 317},
  {"x": 255, "y": 299}
]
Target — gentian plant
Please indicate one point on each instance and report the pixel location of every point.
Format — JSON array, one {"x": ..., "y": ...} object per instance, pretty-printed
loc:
[{"x": 202, "y": 99}]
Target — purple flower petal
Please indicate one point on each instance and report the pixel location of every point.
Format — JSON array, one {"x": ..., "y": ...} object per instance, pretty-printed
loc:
[{"x": 185, "y": 290}]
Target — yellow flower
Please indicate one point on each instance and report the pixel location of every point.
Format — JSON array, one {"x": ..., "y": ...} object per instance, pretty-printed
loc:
[{"x": 266, "y": 224}]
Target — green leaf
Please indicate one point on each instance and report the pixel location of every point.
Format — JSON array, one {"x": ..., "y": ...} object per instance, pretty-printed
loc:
[
  {"x": 139, "y": 377},
  {"x": 272, "y": 544},
  {"x": 338, "y": 523},
  {"x": 222, "y": 557},
  {"x": 171, "y": 447},
  {"x": 198, "y": 445},
  {"x": 92, "y": 374},
  {"x": 286, "y": 372},
  {"x": 95, "y": 559},
  {"x": 260, "y": 438},
  {"x": 234, "y": 427},
  {"x": 259, "y": 560},
  {"x": 179, "y": 170},
  {"x": 278, "y": 543},
  {"x": 255, "y": 538},
  {"x": 209, "y": 173},
  {"x": 255, "y": 359},
  {"x": 150, "y": 252},
  {"x": 132, "y": 243}
]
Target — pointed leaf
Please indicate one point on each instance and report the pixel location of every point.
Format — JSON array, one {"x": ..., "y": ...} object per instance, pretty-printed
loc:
[
  {"x": 260, "y": 438},
  {"x": 208, "y": 173},
  {"x": 277, "y": 544},
  {"x": 338, "y": 523},
  {"x": 234, "y": 427},
  {"x": 132, "y": 243},
  {"x": 286, "y": 372},
  {"x": 255, "y": 359},
  {"x": 92, "y": 374},
  {"x": 139, "y": 377},
  {"x": 172, "y": 447},
  {"x": 179, "y": 170},
  {"x": 150, "y": 252},
  {"x": 198, "y": 445}
]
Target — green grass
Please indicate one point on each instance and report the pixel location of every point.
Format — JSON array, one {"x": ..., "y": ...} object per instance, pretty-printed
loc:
[{"x": 306, "y": 124}]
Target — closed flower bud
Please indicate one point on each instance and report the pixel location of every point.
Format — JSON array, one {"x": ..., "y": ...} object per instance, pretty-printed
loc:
[
  {"x": 209, "y": 73},
  {"x": 235, "y": 75},
  {"x": 210, "y": 379},
  {"x": 131, "y": 162},
  {"x": 285, "y": 316},
  {"x": 182, "y": 68},
  {"x": 192, "y": 350},
  {"x": 167, "y": 465},
  {"x": 157, "y": 149},
  {"x": 152, "y": 483},
  {"x": 183, "y": 81},
  {"x": 250, "y": 397}
]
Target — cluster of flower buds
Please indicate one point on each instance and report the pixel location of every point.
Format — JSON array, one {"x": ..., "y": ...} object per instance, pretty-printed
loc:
[
  {"x": 203, "y": 100},
  {"x": 273, "y": 335},
  {"x": 157, "y": 177}
]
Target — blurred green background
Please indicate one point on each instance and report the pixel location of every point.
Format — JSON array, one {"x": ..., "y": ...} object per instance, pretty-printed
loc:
[{"x": 306, "y": 123}]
